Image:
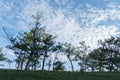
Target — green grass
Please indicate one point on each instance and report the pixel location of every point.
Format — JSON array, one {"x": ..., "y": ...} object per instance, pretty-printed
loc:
[{"x": 38, "y": 75}]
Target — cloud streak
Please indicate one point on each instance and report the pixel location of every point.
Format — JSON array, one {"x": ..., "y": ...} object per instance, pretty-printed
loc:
[{"x": 72, "y": 23}]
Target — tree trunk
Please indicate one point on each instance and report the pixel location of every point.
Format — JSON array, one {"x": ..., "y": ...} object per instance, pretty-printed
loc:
[
  {"x": 71, "y": 63},
  {"x": 54, "y": 61},
  {"x": 21, "y": 66},
  {"x": 27, "y": 65},
  {"x": 100, "y": 66},
  {"x": 49, "y": 64},
  {"x": 43, "y": 65},
  {"x": 17, "y": 65},
  {"x": 35, "y": 64}
]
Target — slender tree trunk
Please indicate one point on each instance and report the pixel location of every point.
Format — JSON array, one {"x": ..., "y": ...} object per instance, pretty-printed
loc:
[
  {"x": 110, "y": 67},
  {"x": 49, "y": 64},
  {"x": 92, "y": 69},
  {"x": 116, "y": 67},
  {"x": 54, "y": 61},
  {"x": 35, "y": 64},
  {"x": 49, "y": 67},
  {"x": 71, "y": 63},
  {"x": 21, "y": 66},
  {"x": 43, "y": 65},
  {"x": 100, "y": 66},
  {"x": 27, "y": 65},
  {"x": 17, "y": 65}
]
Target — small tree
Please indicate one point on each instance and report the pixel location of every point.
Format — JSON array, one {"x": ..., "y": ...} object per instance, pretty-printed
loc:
[
  {"x": 32, "y": 46},
  {"x": 2, "y": 57},
  {"x": 48, "y": 41},
  {"x": 58, "y": 66},
  {"x": 99, "y": 56},
  {"x": 81, "y": 55},
  {"x": 57, "y": 49},
  {"x": 69, "y": 51}
]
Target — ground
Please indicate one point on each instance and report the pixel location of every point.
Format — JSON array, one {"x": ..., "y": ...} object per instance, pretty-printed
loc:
[{"x": 50, "y": 75}]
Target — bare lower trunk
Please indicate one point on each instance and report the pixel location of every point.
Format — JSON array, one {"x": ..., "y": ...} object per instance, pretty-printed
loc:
[
  {"x": 17, "y": 65},
  {"x": 71, "y": 64},
  {"x": 27, "y": 65},
  {"x": 21, "y": 66},
  {"x": 43, "y": 65}
]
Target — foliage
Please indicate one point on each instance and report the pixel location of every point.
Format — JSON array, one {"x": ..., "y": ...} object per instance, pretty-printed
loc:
[
  {"x": 81, "y": 55},
  {"x": 32, "y": 47},
  {"x": 69, "y": 51},
  {"x": 58, "y": 66},
  {"x": 107, "y": 55},
  {"x": 2, "y": 57},
  {"x": 36, "y": 48}
]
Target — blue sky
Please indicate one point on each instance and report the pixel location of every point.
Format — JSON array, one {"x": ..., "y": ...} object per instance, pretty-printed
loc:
[{"x": 72, "y": 20}]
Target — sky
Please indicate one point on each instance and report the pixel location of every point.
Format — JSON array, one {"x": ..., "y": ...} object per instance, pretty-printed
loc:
[{"x": 71, "y": 20}]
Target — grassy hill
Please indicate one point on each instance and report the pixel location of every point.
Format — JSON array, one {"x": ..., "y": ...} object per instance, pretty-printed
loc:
[{"x": 38, "y": 75}]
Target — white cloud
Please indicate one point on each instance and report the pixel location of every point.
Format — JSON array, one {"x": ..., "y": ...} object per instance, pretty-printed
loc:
[
  {"x": 113, "y": 5},
  {"x": 23, "y": 26},
  {"x": 4, "y": 7},
  {"x": 8, "y": 52},
  {"x": 72, "y": 24},
  {"x": 69, "y": 29},
  {"x": 11, "y": 53}
]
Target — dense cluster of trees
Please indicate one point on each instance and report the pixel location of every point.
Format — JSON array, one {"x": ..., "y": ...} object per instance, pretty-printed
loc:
[
  {"x": 107, "y": 56},
  {"x": 37, "y": 49}
]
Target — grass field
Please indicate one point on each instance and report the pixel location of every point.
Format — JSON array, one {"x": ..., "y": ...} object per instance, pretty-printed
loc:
[{"x": 38, "y": 75}]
